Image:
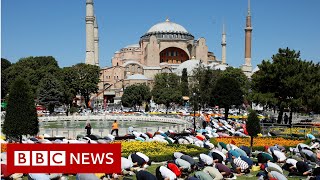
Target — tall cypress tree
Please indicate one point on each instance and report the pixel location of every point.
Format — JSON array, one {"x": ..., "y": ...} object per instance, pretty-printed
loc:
[
  {"x": 21, "y": 115},
  {"x": 253, "y": 125},
  {"x": 184, "y": 83}
]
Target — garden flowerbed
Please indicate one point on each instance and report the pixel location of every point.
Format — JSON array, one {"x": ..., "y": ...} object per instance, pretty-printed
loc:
[
  {"x": 3, "y": 147},
  {"x": 158, "y": 151},
  {"x": 258, "y": 142},
  {"x": 299, "y": 130}
]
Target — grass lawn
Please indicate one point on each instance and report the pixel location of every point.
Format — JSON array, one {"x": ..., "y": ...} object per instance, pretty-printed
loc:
[
  {"x": 152, "y": 169},
  {"x": 251, "y": 176}
]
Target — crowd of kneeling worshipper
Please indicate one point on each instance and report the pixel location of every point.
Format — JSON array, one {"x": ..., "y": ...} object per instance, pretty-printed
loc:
[{"x": 224, "y": 161}]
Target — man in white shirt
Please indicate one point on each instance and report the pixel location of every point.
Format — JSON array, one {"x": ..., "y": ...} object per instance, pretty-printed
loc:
[
  {"x": 145, "y": 157},
  {"x": 278, "y": 156},
  {"x": 177, "y": 155},
  {"x": 207, "y": 160},
  {"x": 220, "y": 153},
  {"x": 292, "y": 162},
  {"x": 126, "y": 164},
  {"x": 239, "y": 165},
  {"x": 183, "y": 164},
  {"x": 163, "y": 172},
  {"x": 274, "y": 167}
]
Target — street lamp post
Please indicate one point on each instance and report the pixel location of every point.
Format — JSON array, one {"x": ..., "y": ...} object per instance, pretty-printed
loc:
[{"x": 194, "y": 112}]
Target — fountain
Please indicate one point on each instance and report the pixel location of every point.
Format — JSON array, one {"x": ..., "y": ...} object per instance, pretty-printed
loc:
[{"x": 101, "y": 124}]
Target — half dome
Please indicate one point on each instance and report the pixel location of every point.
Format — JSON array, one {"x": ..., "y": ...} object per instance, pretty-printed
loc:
[{"x": 190, "y": 65}]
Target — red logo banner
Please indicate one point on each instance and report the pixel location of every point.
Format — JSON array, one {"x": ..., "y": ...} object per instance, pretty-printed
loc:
[{"x": 64, "y": 158}]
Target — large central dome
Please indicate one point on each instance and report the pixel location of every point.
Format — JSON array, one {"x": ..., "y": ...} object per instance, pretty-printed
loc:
[
  {"x": 167, "y": 26},
  {"x": 168, "y": 31}
]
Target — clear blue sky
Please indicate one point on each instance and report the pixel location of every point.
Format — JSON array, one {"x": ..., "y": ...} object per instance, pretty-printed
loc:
[{"x": 57, "y": 27}]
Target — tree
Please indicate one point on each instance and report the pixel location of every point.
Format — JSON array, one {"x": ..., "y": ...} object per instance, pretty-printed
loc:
[
  {"x": 135, "y": 94},
  {"x": 166, "y": 89},
  {"x": 203, "y": 84},
  {"x": 265, "y": 99},
  {"x": 50, "y": 92},
  {"x": 184, "y": 83},
  {"x": 21, "y": 114},
  {"x": 69, "y": 86},
  {"x": 287, "y": 80},
  {"x": 311, "y": 96},
  {"x": 85, "y": 79},
  {"x": 5, "y": 64},
  {"x": 253, "y": 125},
  {"x": 238, "y": 74},
  {"x": 206, "y": 83},
  {"x": 227, "y": 92},
  {"x": 32, "y": 69}
]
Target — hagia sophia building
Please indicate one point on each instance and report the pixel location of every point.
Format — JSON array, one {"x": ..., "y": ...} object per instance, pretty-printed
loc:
[{"x": 165, "y": 47}]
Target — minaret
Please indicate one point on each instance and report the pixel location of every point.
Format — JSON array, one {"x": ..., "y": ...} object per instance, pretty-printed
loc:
[
  {"x": 223, "y": 44},
  {"x": 89, "y": 33},
  {"x": 96, "y": 42},
  {"x": 247, "y": 67}
]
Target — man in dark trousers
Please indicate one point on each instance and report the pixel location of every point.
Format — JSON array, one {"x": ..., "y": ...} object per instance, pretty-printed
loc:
[
  {"x": 285, "y": 118},
  {"x": 145, "y": 175},
  {"x": 88, "y": 128}
]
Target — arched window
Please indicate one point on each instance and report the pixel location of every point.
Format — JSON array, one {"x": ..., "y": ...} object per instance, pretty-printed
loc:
[{"x": 173, "y": 55}]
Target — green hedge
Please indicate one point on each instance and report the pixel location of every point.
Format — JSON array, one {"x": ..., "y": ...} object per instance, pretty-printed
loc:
[
  {"x": 261, "y": 148},
  {"x": 169, "y": 156}
]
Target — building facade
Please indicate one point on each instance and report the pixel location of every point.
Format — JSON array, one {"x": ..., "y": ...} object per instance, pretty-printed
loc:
[{"x": 165, "y": 47}]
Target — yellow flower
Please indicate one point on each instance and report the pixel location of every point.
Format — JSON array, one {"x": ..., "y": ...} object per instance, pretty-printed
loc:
[{"x": 260, "y": 141}]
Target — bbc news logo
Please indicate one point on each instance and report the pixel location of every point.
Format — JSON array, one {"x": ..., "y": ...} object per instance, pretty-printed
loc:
[
  {"x": 39, "y": 158},
  {"x": 64, "y": 158}
]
